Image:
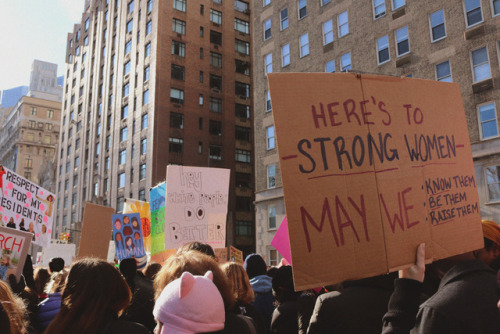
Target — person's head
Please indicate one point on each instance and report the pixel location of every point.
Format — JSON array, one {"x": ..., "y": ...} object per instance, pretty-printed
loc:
[
  {"x": 44, "y": 229},
  {"x": 57, "y": 281},
  {"x": 31, "y": 227},
  {"x": 56, "y": 264},
  {"x": 5, "y": 259},
  {"x": 190, "y": 304},
  {"x": 12, "y": 311},
  {"x": 491, "y": 250},
  {"x": 135, "y": 223},
  {"x": 50, "y": 198},
  {"x": 255, "y": 265},
  {"x": 11, "y": 220},
  {"x": 94, "y": 290},
  {"x": 196, "y": 263},
  {"x": 129, "y": 242},
  {"x": 42, "y": 277},
  {"x": 283, "y": 289},
  {"x": 197, "y": 246},
  {"x": 118, "y": 224},
  {"x": 151, "y": 270},
  {"x": 242, "y": 290},
  {"x": 128, "y": 268},
  {"x": 126, "y": 220}
]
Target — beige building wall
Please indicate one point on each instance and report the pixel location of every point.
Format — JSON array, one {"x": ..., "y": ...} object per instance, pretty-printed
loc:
[{"x": 469, "y": 48}]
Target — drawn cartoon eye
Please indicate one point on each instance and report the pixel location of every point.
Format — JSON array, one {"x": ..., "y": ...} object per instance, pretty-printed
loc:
[
  {"x": 200, "y": 213},
  {"x": 188, "y": 213}
]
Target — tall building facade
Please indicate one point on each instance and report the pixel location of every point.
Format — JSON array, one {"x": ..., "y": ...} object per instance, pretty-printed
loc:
[
  {"x": 453, "y": 41},
  {"x": 44, "y": 81},
  {"x": 29, "y": 134},
  {"x": 151, "y": 83},
  {"x": 12, "y": 95}
]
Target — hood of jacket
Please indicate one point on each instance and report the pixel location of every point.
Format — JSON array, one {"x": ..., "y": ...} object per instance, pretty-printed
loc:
[{"x": 261, "y": 283}]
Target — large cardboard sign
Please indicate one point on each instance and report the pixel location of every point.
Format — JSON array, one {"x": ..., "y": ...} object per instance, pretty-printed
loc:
[
  {"x": 96, "y": 231},
  {"x": 196, "y": 208},
  {"x": 157, "y": 206},
  {"x": 26, "y": 206},
  {"x": 371, "y": 167},
  {"x": 235, "y": 255},
  {"x": 221, "y": 255},
  {"x": 142, "y": 208},
  {"x": 14, "y": 246},
  {"x": 127, "y": 233}
]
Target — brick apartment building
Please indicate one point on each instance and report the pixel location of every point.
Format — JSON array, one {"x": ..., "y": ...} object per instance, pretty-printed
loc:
[{"x": 455, "y": 41}]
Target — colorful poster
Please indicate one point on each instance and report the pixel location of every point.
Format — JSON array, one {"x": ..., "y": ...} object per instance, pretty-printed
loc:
[
  {"x": 14, "y": 246},
  {"x": 157, "y": 206},
  {"x": 281, "y": 241},
  {"x": 196, "y": 208},
  {"x": 26, "y": 206},
  {"x": 371, "y": 167},
  {"x": 221, "y": 255},
  {"x": 127, "y": 233},
  {"x": 235, "y": 255},
  {"x": 142, "y": 208}
]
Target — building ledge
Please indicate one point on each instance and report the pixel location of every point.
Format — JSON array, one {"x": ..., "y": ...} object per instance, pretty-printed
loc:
[
  {"x": 403, "y": 60},
  {"x": 474, "y": 31},
  {"x": 482, "y": 86},
  {"x": 398, "y": 13}
]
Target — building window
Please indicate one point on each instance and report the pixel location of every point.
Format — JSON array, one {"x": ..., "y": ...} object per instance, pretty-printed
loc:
[
  {"x": 397, "y": 4},
  {"x": 244, "y": 228},
  {"x": 481, "y": 64},
  {"x": 304, "y": 45},
  {"x": 243, "y": 156},
  {"x": 242, "y": 89},
  {"x": 179, "y": 26},
  {"x": 330, "y": 66},
  {"x": 215, "y": 38},
  {"x": 130, "y": 7},
  {"x": 215, "y": 82},
  {"x": 144, "y": 146},
  {"x": 328, "y": 32},
  {"x": 142, "y": 195},
  {"x": 149, "y": 27},
  {"x": 122, "y": 157},
  {"x": 324, "y": 2},
  {"x": 178, "y": 49},
  {"x": 215, "y": 128},
  {"x": 176, "y": 96},
  {"x": 241, "y": 6},
  {"x": 146, "y": 73},
  {"x": 266, "y": 2},
  {"x": 402, "y": 41},
  {"x": 285, "y": 55},
  {"x": 284, "y": 19},
  {"x": 270, "y": 139},
  {"x": 142, "y": 171},
  {"x": 126, "y": 89},
  {"x": 147, "y": 50},
  {"x": 302, "y": 9},
  {"x": 124, "y": 112},
  {"x": 215, "y": 105},
  {"x": 268, "y": 101},
  {"x": 121, "y": 180},
  {"x": 123, "y": 134},
  {"x": 150, "y": 6},
  {"x": 473, "y": 12},
  {"x": 214, "y": 152},
  {"x": 242, "y": 47},
  {"x": 242, "y": 133},
  {"x": 180, "y": 5},
  {"x": 176, "y": 145},
  {"x": 145, "y": 97},
  {"x": 177, "y": 72},
  {"x": 267, "y": 29},
  {"x": 345, "y": 62},
  {"x": 271, "y": 176},
  {"x": 242, "y": 67},
  {"x": 242, "y": 111},
  {"x": 495, "y": 7},
  {"x": 343, "y": 24},
  {"x": 438, "y": 30},
  {"x": 130, "y": 25},
  {"x": 488, "y": 121},
  {"x": 271, "y": 217},
  {"x": 443, "y": 72},
  {"x": 241, "y": 26},
  {"x": 215, "y": 16},
  {"x": 215, "y": 59},
  {"x": 176, "y": 120},
  {"x": 493, "y": 180},
  {"x": 144, "y": 121},
  {"x": 268, "y": 63},
  {"x": 126, "y": 68},
  {"x": 383, "y": 49},
  {"x": 200, "y": 99},
  {"x": 378, "y": 8}
]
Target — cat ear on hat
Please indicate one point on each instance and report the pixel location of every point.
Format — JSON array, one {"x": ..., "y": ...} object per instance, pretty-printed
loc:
[
  {"x": 210, "y": 275},
  {"x": 187, "y": 283}
]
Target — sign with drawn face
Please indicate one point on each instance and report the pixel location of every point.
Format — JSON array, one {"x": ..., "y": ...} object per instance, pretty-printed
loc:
[
  {"x": 26, "y": 206},
  {"x": 142, "y": 208},
  {"x": 196, "y": 207},
  {"x": 127, "y": 233},
  {"x": 371, "y": 167}
]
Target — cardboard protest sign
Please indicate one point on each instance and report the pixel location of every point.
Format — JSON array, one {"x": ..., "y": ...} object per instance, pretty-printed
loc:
[
  {"x": 281, "y": 241},
  {"x": 371, "y": 167},
  {"x": 96, "y": 232},
  {"x": 157, "y": 200},
  {"x": 142, "y": 208},
  {"x": 221, "y": 255},
  {"x": 65, "y": 251},
  {"x": 26, "y": 206},
  {"x": 14, "y": 246},
  {"x": 235, "y": 255},
  {"x": 162, "y": 256},
  {"x": 127, "y": 233},
  {"x": 196, "y": 208}
]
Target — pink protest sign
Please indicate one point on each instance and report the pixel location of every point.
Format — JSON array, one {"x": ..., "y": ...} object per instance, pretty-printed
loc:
[{"x": 281, "y": 241}]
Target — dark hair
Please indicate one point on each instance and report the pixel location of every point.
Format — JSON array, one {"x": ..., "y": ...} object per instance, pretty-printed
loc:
[
  {"x": 56, "y": 264},
  {"x": 128, "y": 268},
  {"x": 152, "y": 268},
  {"x": 94, "y": 291},
  {"x": 489, "y": 244},
  {"x": 197, "y": 246},
  {"x": 134, "y": 219},
  {"x": 131, "y": 245},
  {"x": 283, "y": 289},
  {"x": 42, "y": 277},
  {"x": 127, "y": 230}
]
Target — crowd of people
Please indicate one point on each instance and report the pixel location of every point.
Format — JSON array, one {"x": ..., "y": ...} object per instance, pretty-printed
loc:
[{"x": 192, "y": 293}]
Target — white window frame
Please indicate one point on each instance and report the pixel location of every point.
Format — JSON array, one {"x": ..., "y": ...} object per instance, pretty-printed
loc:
[
  {"x": 267, "y": 27},
  {"x": 342, "y": 65},
  {"x": 393, "y": 3},
  {"x": 283, "y": 19},
  {"x": 326, "y": 66},
  {"x": 180, "y": 5},
  {"x": 379, "y": 3},
  {"x": 340, "y": 24},
  {"x": 305, "y": 45},
  {"x": 271, "y": 212},
  {"x": 400, "y": 41},
  {"x": 378, "y": 50},
  {"x": 299, "y": 8},
  {"x": 474, "y": 78},
  {"x": 285, "y": 55},
  {"x": 480, "y": 121},
  {"x": 270, "y": 138},
  {"x": 269, "y": 175},
  {"x": 268, "y": 101},
  {"x": 444, "y": 77},
  {"x": 431, "y": 26},
  {"x": 268, "y": 63},
  {"x": 327, "y": 34},
  {"x": 490, "y": 199},
  {"x": 492, "y": 2},
  {"x": 215, "y": 16},
  {"x": 266, "y": 3},
  {"x": 467, "y": 25}
]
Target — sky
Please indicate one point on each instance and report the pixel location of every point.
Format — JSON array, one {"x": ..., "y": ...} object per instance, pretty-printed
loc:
[{"x": 34, "y": 29}]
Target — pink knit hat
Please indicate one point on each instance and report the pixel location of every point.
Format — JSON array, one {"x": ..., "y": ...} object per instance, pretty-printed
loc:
[{"x": 190, "y": 304}]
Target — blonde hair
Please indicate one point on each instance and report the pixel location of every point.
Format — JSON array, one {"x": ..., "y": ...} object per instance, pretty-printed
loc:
[
  {"x": 14, "y": 308},
  {"x": 57, "y": 281},
  {"x": 242, "y": 290},
  {"x": 195, "y": 263}
]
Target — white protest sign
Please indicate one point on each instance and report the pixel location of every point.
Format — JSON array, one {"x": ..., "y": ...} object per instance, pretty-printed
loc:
[{"x": 196, "y": 207}]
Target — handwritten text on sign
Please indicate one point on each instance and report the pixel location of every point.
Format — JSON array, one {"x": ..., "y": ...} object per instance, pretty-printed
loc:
[{"x": 369, "y": 166}]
